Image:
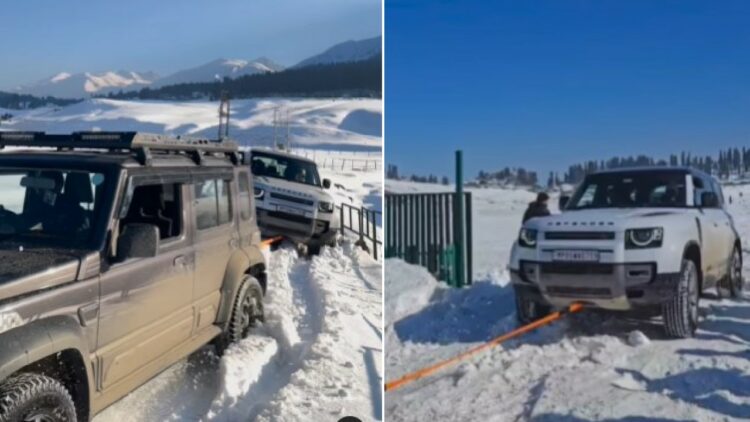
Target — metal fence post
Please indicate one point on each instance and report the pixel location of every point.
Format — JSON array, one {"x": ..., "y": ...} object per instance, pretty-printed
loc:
[
  {"x": 458, "y": 217},
  {"x": 341, "y": 219},
  {"x": 374, "y": 236}
]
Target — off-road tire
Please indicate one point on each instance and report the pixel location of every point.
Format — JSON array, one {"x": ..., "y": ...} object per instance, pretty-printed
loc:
[
  {"x": 731, "y": 285},
  {"x": 527, "y": 309},
  {"x": 35, "y": 397},
  {"x": 680, "y": 312},
  {"x": 247, "y": 312}
]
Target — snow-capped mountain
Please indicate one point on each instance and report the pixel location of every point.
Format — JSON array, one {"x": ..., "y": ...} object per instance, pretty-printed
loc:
[
  {"x": 349, "y": 51},
  {"x": 219, "y": 69},
  {"x": 85, "y": 84}
]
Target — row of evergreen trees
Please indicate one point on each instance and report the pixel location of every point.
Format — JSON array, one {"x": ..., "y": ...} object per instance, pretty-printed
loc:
[
  {"x": 13, "y": 101},
  {"x": 730, "y": 161},
  {"x": 391, "y": 172},
  {"x": 350, "y": 79}
]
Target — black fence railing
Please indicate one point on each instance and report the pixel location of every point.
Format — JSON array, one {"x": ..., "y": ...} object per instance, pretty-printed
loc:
[{"x": 364, "y": 223}]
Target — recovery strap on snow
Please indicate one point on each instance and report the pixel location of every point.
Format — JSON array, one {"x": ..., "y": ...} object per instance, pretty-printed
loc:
[
  {"x": 270, "y": 241},
  {"x": 411, "y": 377}
]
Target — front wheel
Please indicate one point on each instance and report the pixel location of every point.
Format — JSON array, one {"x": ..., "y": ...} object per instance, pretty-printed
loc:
[
  {"x": 527, "y": 309},
  {"x": 33, "y": 397},
  {"x": 247, "y": 312},
  {"x": 731, "y": 285},
  {"x": 680, "y": 313}
]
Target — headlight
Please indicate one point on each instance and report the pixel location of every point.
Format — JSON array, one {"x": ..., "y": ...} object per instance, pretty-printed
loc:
[
  {"x": 325, "y": 206},
  {"x": 259, "y": 193},
  {"x": 644, "y": 238},
  {"x": 527, "y": 238}
]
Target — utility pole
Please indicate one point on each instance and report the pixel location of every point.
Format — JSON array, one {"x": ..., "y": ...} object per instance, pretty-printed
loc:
[
  {"x": 287, "y": 130},
  {"x": 224, "y": 112}
]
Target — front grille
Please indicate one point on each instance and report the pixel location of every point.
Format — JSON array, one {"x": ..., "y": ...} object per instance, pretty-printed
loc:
[
  {"x": 583, "y": 268},
  {"x": 578, "y": 291},
  {"x": 579, "y": 235},
  {"x": 291, "y": 198},
  {"x": 289, "y": 217}
]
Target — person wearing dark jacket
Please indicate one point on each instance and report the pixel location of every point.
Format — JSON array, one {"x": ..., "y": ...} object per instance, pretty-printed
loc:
[{"x": 537, "y": 208}]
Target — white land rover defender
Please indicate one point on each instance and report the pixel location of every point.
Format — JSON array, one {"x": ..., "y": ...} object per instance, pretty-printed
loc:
[
  {"x": 291, "y": 199},
  {"x": 646, "y": 237}
]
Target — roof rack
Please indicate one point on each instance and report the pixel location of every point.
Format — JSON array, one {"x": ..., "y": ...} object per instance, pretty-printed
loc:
[{"x": 141, "y": 144}]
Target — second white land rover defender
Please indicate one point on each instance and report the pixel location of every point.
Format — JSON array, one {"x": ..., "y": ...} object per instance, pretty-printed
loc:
[
  {"x": 291, "y": 199},
  {"x": 645, "y": 237}
]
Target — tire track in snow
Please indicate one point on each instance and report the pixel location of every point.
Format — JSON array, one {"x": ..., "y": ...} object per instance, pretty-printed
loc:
[{"x": 292, "y": 351}]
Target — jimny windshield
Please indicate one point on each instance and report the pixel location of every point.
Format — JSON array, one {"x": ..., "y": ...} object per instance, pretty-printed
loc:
[{"x": 49, "y": 207}]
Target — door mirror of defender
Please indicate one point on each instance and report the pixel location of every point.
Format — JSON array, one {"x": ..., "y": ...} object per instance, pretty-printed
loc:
[
  {"x": 709, "y": 200},
  {"x": 563, "y": 201},
  {"x": 327, "y": 183},
  {"x": 137, "y": 240}
]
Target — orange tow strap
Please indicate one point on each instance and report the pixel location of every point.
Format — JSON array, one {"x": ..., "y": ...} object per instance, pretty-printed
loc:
[
  {"x": 268, "y": 242},
  {"x": 409, "y": 378}
]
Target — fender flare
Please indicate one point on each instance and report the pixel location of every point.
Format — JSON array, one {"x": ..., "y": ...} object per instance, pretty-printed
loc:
[
  {"x": 37, "y": 340},
  {"x": 238, "y": 266}
]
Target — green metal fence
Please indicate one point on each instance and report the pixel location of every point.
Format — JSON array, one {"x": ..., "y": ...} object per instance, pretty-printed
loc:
[{"x": 422, "y": 229}]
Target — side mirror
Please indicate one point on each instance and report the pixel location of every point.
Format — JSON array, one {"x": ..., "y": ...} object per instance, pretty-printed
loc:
[
  {"x": 327, "y": 183},
  {"x": 709, "y": 200},
  {"x": 563, "y": 202},
  {"x": 137, "y": 240}
]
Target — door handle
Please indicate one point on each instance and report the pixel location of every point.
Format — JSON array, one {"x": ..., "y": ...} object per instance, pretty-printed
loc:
[{"x": 180, "y": 261}]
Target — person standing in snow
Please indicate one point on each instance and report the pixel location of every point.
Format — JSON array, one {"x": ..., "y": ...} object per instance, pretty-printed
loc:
[{"x": 537, "y": 208}]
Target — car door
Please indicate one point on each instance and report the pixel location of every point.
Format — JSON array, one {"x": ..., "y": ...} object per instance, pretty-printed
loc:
[
  {"x": 146, "y": 303},
  {"x": 216, "y": 238},
  {"x": 711, "y": 219},
  {"x": 726, "y": 226}
]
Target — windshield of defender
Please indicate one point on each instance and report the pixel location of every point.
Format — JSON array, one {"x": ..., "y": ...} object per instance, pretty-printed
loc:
[
  {"x": 634, "y": 189},
  {"x": 50, "y": 207},
  {"x": 286, "y": 168}
]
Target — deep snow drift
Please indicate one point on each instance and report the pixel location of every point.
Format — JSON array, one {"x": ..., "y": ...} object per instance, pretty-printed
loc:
[{"x": 591, "y": 366}]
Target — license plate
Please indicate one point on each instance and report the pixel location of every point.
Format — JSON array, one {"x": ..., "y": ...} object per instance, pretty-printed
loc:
[
  {"x": 575, "y": 256},
  {"x": 290, "y": 210}
]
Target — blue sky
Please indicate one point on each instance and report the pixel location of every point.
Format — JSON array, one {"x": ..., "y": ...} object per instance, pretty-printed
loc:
[
  {"x": 547, "y": 83},
  {"x": 43, "y": 37}
]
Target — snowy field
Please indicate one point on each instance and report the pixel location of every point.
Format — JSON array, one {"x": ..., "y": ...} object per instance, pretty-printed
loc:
[
  {"x": 319, "y": 355},
  {"x": 335, "y": 124},
  {"x": 590, "y": 367}
]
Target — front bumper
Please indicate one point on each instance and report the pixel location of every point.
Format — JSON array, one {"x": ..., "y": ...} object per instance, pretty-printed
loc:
[
  {"x": 619, "y": 286},
  {"x": 295, "y": 227}
]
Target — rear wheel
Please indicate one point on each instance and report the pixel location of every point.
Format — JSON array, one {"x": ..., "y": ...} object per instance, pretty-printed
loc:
[
  {"x": 680, "y": 313},
  {"x": 731, "y": 285},
  {"x": 35, "y": 398},
  {"x": 528, "y": 310},
  {"x": 247, "y": 312}
]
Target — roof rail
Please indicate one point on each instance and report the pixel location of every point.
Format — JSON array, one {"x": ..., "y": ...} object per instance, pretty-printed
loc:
[{"x": 141, "y": 144}]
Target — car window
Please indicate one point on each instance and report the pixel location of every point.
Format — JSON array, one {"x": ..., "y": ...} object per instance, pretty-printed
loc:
[
  {"x": 213, "y": 204},
  {"x": 159, "y": 205},
  {"x": 631, "y": 189},
  {"x": 245, "y": 199},
  {"x": 286, "y": 168},
  {"x": 50, "y": 206}
]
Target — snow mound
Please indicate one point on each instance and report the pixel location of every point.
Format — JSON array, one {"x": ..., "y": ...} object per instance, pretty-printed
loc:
[{"x": 365, "y": 122}]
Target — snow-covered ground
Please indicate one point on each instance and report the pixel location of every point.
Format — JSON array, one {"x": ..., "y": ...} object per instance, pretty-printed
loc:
[
  {"x": 589, "y": 367},
  {"x": 331, "y": 123},
  {"x": 319, "y": 355}
]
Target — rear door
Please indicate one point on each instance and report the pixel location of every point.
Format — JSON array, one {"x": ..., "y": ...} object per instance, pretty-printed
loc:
[
  {"x": 713, "y": 236},
  {"x": 216, "y": 238}
]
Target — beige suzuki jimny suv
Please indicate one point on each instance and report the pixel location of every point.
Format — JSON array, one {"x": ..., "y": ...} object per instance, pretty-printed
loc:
[{"x": 120, "y": 253}]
